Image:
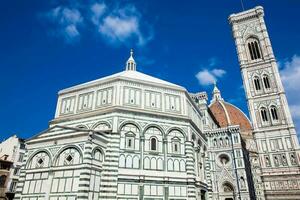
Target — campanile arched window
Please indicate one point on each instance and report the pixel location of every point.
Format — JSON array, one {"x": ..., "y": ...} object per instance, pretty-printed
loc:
[
  {"x": 264, "y": 114},
  {"x": 254, "y": 49},
  {"x": 274, "y": 113},
  {"x": 257, "y": 83},
  {"x": 266, "y": 82}
]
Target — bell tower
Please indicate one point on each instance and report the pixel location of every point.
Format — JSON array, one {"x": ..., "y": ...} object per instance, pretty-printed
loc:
[{"x": 273, "y": 127}]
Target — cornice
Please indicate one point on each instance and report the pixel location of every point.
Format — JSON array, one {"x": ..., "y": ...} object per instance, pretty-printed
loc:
[{"x": 256, "y": 12}]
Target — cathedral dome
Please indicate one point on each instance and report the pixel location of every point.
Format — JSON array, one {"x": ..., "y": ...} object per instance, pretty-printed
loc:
[{"x": 227, "y": 114}]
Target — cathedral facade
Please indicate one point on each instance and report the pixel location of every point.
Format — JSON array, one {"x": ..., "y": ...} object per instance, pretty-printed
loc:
[{"x": 132, "y": 136}]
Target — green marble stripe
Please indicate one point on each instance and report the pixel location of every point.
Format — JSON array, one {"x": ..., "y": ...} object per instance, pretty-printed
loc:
[
  {"x": 85, "y": 173},
  {"x": 84, "y": 179},
  {"x": 122, "y": 180},
  {"x": 84, "y": 185},
  {"x": 82, "y": 197}
]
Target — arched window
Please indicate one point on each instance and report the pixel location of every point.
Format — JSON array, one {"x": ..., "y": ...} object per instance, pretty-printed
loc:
[
  {"x": 135, "y": 162},
  {"x": 276, "y": 161},
  {"x": 242, "y": 182},
  {"x": 236, "y": 139},
  {"x": 221, "y": 141},
  {"x": 153, "y": 139},
  {"x": 268, "y": 164},
  {"x": 130, "y": 140},
  {"x": 264, "y": 115},
  {"x": 254, "y": 49},
  {"x": 175, "y": 145},
  {"x": 266, "y": 82},
  {"x": 98, "y": 155},
  {"x": 274, "y": 113},
  {"x": 153, "y": 144},
  {"x": 2, "y": 181},
  {"x": 122, "y": 161},
  {"x": 293, "y": 159},
  {"x": 170, "y": 165},
  {"x": 227, "y": 141},
  {"x": 215, "y": 142},
  {"x": 227, "y": 187},
  {"x": 175, "y": 139},
  {"x": 129, "y": 137},
  {"x": 257, "y": 83},
  {"x": 199, "y": 142}
]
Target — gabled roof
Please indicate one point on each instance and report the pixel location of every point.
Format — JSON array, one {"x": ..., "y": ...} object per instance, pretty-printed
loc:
[
  {"x": 126, "y": 75},
  {"x": 62, "y": 130}
]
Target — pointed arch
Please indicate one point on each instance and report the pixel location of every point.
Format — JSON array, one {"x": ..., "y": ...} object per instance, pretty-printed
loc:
[
  {"x": 153, "y": 163},
  {"x": 253, "y": 48},
  {"x": 170, "y": 165},
  {"x": 98, "y": 154},
  {"x": 136, "y": 162},
  {"x": 266, "y": 81},
  {"x": 264, "y": 114},
  {"x": 128, "y": 161},
  {"x": 176, "y": 165},
  {"x": 160, "y": 164},
  {"x": 182, "y": 166},
  {"x": 227, "y": 187},
  {"x": 122, "y": 161},
  {"x": 274, "y": 113},
  {"x": 257, "y": 84},
  {"x": 146, "y": 163}
]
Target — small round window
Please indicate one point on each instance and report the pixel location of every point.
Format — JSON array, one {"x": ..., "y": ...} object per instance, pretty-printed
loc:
[{"x": 224, "y": 159}]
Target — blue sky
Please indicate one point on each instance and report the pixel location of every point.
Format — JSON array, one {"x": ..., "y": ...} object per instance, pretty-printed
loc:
[{"x": 50, "y": 45}]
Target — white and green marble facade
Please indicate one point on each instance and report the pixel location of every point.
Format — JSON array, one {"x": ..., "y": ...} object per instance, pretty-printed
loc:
[
  {"x": 86, "y": 153},
  {"x": 227, "y": 164},
  {"x": 277, "y": 146},
  {"x": 131, "y": 136}
]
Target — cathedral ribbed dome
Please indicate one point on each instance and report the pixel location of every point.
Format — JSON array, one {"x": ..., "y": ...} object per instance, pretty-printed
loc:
[{"x": 227, "y": 114}]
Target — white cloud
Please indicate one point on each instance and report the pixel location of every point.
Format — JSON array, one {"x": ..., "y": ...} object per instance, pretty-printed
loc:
[
  {"x": 118, "y": 29},
  {"x": 71, "y": 31},
  {"x": 116, "y": 25},
  {"x": 123, "y": 24},
  {"x": 97, "y": 11},
  {"x": 208, "y": 77},
  {"x": 68, "y": 20},
  {"x": 295, "y": 109},
  {"x": 290, "y": 75},
  {"x": 218, "y": 72}
]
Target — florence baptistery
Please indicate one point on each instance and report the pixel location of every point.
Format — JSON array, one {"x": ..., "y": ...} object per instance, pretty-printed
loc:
[{"x": 131, "y": 136}]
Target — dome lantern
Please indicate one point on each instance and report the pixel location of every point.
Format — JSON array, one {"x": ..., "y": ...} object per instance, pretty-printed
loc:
[{"x": 131, "y": 64}]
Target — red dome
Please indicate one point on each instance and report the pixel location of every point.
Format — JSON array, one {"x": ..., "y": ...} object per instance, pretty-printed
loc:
[{"x": 227, "y": 114}]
